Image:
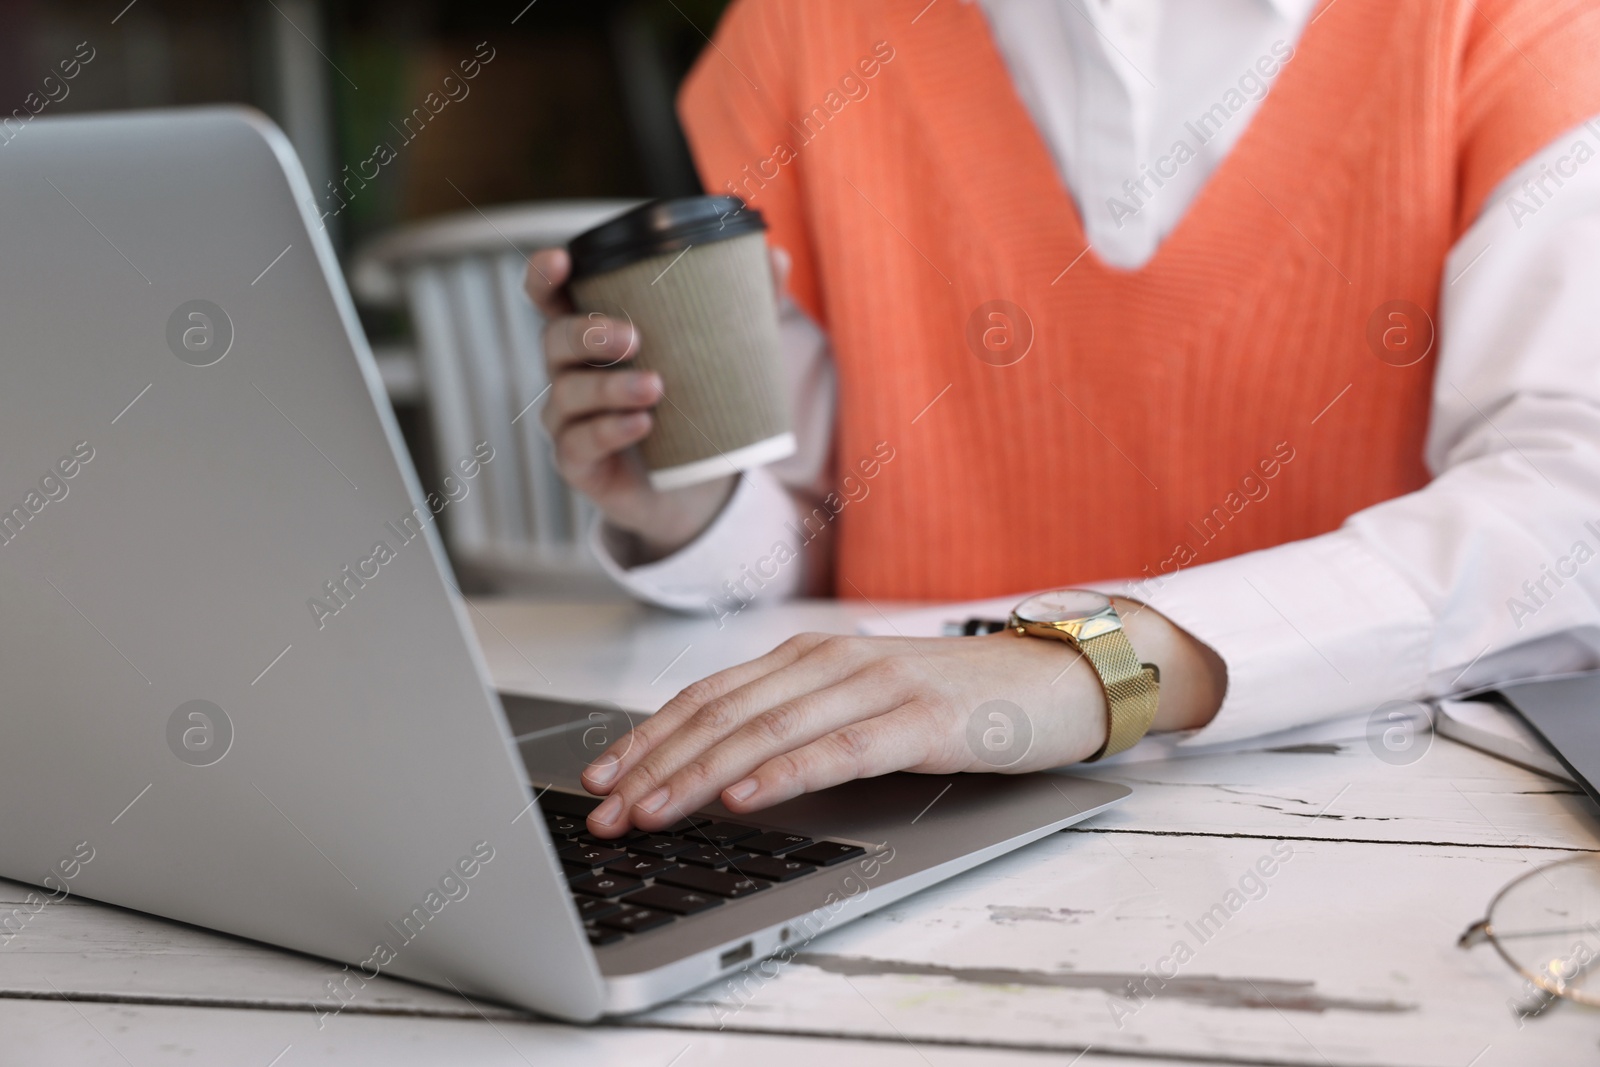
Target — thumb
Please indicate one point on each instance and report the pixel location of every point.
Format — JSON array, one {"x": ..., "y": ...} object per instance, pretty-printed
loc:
[{"x": 547, "y": 272}]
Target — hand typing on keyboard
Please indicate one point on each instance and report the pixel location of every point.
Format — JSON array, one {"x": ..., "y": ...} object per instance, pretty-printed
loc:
[{"x": 822, "y": 709}]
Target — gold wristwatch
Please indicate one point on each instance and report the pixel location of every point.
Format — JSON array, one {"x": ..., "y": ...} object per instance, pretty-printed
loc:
[{"x": 1088, "y": 622}]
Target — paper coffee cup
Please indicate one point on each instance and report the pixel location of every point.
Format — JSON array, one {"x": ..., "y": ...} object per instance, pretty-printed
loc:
[{"x": 693, "y": 278}]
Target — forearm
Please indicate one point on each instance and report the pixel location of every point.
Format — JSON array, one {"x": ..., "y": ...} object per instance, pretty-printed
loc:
[{"x": 692, "y": 511}]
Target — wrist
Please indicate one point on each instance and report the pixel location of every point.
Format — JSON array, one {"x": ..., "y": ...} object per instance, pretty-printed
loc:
[
  {"x": 1084, "y": 710},
  {"x": 675, "y": 518},
  {"x": 1193, "y": 677},
  {"x": 1069, "y": 722}
]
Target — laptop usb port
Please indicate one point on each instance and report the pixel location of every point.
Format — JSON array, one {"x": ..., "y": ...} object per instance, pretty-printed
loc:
[{"x": 737, "y": 955}]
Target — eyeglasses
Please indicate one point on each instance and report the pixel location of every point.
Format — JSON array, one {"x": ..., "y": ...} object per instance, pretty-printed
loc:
[{"x": 1546, "y": 925}]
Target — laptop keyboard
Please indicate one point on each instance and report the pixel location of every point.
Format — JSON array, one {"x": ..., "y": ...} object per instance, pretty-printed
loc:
[{"x": 644, "y": 881}]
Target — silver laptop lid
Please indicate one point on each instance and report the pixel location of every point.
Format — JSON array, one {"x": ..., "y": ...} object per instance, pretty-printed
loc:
[
  {"x": 239, "y": 691},
  {"x": 1565, "y": 713}
]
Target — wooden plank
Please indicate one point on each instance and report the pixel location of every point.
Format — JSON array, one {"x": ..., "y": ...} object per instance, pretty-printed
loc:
[
  {"x": 1347, "y": 955},
  {"x": 1337, "y": 789},
  {"x": 92, "y": 951},
  {"x": 114, "y": 1035}
]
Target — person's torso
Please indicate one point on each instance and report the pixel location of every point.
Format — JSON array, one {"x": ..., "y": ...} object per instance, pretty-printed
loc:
[{"x": 1055, "y": 419}]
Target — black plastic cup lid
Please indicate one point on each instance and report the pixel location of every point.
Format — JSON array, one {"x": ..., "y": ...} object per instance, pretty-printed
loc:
[{"x": 658, "y": 227}]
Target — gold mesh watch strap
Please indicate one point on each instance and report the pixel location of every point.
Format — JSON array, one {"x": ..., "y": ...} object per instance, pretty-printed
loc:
[{"x": 1131, "y": 690}]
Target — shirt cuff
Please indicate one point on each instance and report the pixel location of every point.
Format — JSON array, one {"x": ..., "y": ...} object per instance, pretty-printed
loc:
[
  {"x": 748, "y": 553},
  {"x": 1308, "y": 631}
]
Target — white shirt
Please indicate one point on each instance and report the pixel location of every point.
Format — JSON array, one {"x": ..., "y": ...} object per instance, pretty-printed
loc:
[{"x": 1490, "y": 572}]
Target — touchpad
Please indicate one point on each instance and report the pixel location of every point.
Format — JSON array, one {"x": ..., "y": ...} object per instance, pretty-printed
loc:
[{"x": 557, "y": 739}]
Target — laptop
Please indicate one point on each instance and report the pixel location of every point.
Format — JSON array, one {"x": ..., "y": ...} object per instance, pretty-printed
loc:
[
  {"x": 242, "y": 688},
  {"x": 1565, "y": 714}
]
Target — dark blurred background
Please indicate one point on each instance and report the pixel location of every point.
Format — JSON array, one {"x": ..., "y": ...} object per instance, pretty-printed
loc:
[{"x": 577, "y": 101}]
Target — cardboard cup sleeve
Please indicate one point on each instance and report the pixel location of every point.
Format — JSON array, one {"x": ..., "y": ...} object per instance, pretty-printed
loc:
[{"x": 707, "y": 320}]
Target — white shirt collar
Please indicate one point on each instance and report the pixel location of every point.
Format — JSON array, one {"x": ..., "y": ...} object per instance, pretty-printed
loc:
[
  {"x": 1295, "y": 11},
  {"x": 1292, "y": 11}
]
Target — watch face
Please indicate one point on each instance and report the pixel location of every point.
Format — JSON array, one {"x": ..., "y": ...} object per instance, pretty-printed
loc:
[{"x": 1062, "y": 605}]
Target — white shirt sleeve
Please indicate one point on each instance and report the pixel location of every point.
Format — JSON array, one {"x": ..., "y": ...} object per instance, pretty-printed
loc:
[
  {"x": 736, "y": 561},
  {"x": 1488, "y": 573}
]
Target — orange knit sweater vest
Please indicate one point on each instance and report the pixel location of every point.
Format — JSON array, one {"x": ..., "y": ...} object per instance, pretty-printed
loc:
[{"x": 1226, "y": 396}]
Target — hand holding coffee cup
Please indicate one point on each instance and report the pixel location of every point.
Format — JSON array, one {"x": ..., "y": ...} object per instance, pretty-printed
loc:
[{"x": 605, "y": 398}]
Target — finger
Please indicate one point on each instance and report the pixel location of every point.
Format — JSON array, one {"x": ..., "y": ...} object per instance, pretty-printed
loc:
[
  {"x": 642, "y": 789},
  {"x": 823, "y": 664},
  {"x": 591, "y": 340},
  {"x": 606, "y": 772},
  {"x": 786, "y": 727},
  {"x": 895, "y": 741},
  {"x": 581, "y": 445},
  {"x": 580, "y": 394},
  {"x": 548, "y": 270},
  {"x": 627, "y": 751}
]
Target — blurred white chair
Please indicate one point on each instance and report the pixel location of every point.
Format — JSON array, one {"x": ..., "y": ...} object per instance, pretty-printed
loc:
[{"x": 481, "y": 360}]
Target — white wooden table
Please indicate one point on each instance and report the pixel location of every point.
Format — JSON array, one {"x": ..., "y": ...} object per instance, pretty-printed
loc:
[{"x": 1346, "y": 954}]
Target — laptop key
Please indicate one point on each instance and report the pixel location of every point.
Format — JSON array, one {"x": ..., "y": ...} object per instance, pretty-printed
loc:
[
  {"x": 717, "y": 883},
  {"x": 641, "y": 866},
  {"x": 774, "y": 868},
  {"x": 723, "y": 833},
  {"x": 564, "y": 825},
  {"x": 599, "y": 936},
  {"x": 682, "y": 827},
  {"x": 827, "y": 853},
  {"x": 627, "y": 840},
  {"x": 635, "y": 920},
  {"x": 592, "y": 908},
  {"x": 555, "y": 803},
  {"x": 774, "y": 844},
  {"x": 673, "y": 899},
  {"x": 660, "y": 846},
  {"x": 711, "y": 856},
  {"x": 605, "y": 884},
  {"x": 589, "y": 855}
]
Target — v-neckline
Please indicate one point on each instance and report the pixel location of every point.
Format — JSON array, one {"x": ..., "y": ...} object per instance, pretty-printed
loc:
[{"x": 1012, "y": 137}]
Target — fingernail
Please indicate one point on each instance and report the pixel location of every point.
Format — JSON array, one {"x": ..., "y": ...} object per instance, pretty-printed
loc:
[
  {"x": 607, "y": 341},
  {"x": 607, "y": 812},
  {"x": 654, "y": 802},
  {"x": 743, "y": 790},
  {"x": 645, "y": 386},
  {"x": 602, "y": 770}
]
